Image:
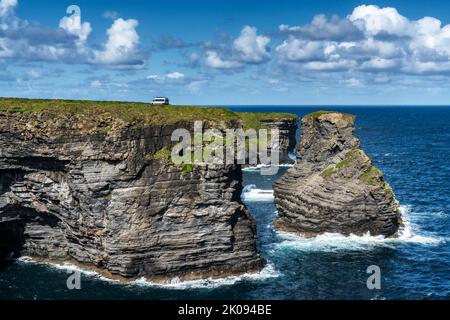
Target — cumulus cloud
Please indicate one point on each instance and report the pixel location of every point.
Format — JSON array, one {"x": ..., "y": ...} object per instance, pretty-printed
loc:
[
  {"x": 251, "y": 48},
  {"x": 69, "y": 42},
  {"x": 323, "y": 28},
  {"x": 247, "y": 48},
  {"x": 122, "y": 46},
  {"x": 213, "y": 60},
  {"x": 72, "y": 25},
  {"x": 7, "y": 7},
  {"x": 370, "y": 39}
]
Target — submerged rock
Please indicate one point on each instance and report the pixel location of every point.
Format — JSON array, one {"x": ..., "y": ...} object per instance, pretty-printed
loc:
[{"x": 333, "y": 186}]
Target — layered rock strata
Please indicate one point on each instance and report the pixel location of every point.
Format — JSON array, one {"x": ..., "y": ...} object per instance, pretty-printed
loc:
[
  {"x": 100, "y": 191},
  {"x": 333, "y": 186}
]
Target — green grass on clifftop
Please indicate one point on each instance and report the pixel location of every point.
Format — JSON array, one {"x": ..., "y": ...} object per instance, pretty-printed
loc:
[
  {"x": 319, "y": 113},
  {"x": 141, "y": 112}
]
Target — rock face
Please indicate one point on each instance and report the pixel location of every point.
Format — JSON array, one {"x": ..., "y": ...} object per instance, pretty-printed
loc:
[
  {"x": 288, "y": 130},
  {"x": 99, "y": 191},
  {"x": 333, "y": 186}
]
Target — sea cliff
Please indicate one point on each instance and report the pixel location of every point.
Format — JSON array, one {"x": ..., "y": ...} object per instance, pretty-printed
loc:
[
  {"x": 334, "y": 186},
  {"x": 92, "y": 183}
]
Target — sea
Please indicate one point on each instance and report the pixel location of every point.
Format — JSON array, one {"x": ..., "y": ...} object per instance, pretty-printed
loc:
[{"x": 411, "y": 146}]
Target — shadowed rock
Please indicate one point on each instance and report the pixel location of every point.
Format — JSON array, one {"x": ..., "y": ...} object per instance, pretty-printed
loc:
[
  {"x": 333, "y": 186},
  {"x": 99, "y": 191}
]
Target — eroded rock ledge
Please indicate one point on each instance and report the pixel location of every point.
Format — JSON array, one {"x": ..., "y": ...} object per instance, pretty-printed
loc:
[
  {"x": 333, "y": 186},
  {"x": 97, "y": 190}
]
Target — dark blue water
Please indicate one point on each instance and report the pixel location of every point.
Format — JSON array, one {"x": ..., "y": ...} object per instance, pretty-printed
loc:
[{"x": 411, "y": 145}]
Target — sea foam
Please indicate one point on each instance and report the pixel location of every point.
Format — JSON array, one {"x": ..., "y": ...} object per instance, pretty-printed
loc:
[
  {"x": 68, "y": 267},
  {"x": 253, "y": 194},
  {"x": 267, "y": 272},
  {"x": 175, "y": 283},
  {"x": 332, "y": 242}
]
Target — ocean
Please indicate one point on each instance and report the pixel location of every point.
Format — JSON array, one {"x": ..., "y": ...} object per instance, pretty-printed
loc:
[{"x": 411, "y": 146}]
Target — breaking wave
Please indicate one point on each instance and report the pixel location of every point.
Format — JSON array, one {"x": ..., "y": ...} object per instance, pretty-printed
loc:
[
  {"x": 332, "y": 242},
  {"x": 65, "y": 266},
  {"x": 176, "y": 284},
  {"x": 252, "y": 194}
]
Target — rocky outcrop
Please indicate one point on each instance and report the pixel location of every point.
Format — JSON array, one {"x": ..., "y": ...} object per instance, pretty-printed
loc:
[
  {"x": 99, "y": 191},
  {"x": 287, "y": 136},
  {"x": 333, "y": 186}
]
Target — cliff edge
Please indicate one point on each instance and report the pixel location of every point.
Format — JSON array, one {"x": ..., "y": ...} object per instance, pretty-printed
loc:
[
  {"x": 90, "y": 182},
  {"x": 333, "y": 186}
]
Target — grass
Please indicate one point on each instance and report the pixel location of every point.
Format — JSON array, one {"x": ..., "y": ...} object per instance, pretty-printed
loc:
[
  {"x": 142, "y": 113},
  {"x": 351, "y": 157},
  {"x": 319, "y": 113},
  {"x": 255, "y": 120},
  {"x": 187, "y": 168},
  {"x": 163, "y": 154},
  {"x": 372, "y": 176}
]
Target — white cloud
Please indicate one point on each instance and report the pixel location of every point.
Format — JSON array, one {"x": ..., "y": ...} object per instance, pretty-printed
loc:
[
  {"x": 251, "y": 48},
  {"x": 122, "y": 46},
  {"x": 247, "y": 48},
  {"x": 7, "y": 7},
  {"x": 175, "y": 75},
  {"x": 20, "y": 39},
  {"x": 384, "y": 41},
  {"x": 72, "y": 25},
  {"x": 213, "y": 60},
  {"x": 295, "y": 49},
  {"x": 374, "y": 20}
]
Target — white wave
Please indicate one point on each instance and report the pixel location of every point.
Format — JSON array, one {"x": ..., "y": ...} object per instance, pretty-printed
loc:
[
  {"x": 252, "y": 194},
  {"x": 68, "y": 267},
  {"x": 267, "y": 272},
  {"x": 260, "y": 166},
  {"x": 331, "y": 242},
  {"x": 176, "y": 284}
]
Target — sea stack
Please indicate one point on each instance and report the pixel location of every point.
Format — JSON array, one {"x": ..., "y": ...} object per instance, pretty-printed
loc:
[{"x": 333, "y": 187}]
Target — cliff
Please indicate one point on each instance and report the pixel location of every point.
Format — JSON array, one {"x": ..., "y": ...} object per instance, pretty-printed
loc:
[
  {"x": 333, "y": 186},
  {"x": 91, "y": 183},
  {"x": 287, "y": 140}
]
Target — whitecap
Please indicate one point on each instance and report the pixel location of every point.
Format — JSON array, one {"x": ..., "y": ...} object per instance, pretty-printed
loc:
[
  {"x": 68, "y": 267},
  {"x": 267, "y": 272},
  {"x": 252, "y": 194},
  {"x": 332, "y": 242}
]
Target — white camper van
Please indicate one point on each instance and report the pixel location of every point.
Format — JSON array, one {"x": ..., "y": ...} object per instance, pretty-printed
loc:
[{"x": 160, "y": 101}]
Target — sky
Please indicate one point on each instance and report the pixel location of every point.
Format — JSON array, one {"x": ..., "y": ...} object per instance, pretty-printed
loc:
[{"x": 203, "y": 52}]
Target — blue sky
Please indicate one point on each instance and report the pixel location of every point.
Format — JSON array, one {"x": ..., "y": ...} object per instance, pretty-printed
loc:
[{"x": 228, "y": 52}]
